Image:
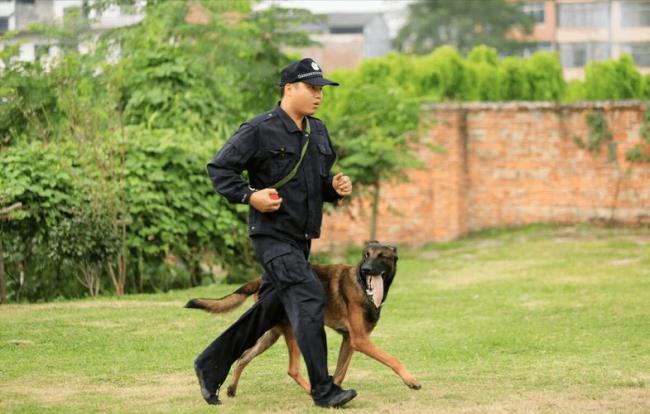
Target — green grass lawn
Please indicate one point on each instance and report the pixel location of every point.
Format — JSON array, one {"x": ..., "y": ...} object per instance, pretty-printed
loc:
[{"x": 539, "y": 319}]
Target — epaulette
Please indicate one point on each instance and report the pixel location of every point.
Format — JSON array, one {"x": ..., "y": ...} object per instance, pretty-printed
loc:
[{"x": 261, "y": 118}]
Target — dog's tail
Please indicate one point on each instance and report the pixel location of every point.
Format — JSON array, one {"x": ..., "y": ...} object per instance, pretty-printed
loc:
[{"x": 228, "y": 302}]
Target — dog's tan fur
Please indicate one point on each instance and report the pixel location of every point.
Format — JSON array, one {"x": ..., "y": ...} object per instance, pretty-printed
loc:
[{"x": 349, "y": 311}]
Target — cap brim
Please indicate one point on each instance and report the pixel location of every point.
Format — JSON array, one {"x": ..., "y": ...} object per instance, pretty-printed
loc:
[{"x": 319, "y": 81}]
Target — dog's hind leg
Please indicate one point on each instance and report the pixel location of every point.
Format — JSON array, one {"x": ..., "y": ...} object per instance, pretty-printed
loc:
[
  {"x": 265, "y": 342},
  {"x": 345, "y": 356},
  {"x": 294, "y": 358}
]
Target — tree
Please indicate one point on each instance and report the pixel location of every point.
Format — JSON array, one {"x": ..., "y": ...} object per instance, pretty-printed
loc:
[
  {"x": 373, "y": 125},
  {"x": 463, "y": 24},
  {"x": 91, "y": 141}
]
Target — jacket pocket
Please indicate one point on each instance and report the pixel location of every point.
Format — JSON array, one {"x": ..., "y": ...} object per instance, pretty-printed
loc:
[
  {"x": 325, "y": 155},
  {"x": 281, "y": 161}
]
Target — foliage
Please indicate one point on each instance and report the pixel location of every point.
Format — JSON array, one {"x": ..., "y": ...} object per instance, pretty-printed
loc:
[
  {"x": 462, "y": 25},
  {"x": 545, "y": 77},
  {"x": 482, "y": 64},
  {"x": 373, "y": 126},
  {"x": 127, "y": 142},
  {"x": 599, "y": 134},
  {"x": 87, "y": 241},
  {"x": 39, "y": 176},
  {"x": 445, "y": 74},
  {"x": 513, "y": 80},
  {"x": 638, "y": 153},
  {"x": 612, "y": 79}
]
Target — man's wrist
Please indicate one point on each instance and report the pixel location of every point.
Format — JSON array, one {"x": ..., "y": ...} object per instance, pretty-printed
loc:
[{"x": 246, "y": 199}]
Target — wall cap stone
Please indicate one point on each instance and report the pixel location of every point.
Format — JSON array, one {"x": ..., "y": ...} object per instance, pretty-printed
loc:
[{"x": 532, "y": 105}]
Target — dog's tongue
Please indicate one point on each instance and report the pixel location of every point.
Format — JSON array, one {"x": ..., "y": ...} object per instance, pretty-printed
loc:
[{"x": 378, "y": 290}]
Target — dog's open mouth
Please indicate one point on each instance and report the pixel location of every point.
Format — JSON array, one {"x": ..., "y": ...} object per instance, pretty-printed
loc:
[{"x": 375, "y": 288}]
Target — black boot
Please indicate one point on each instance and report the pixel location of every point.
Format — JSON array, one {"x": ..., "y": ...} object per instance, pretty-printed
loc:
[
  {"x": 209, "y": 397},
  {"x": 336, "y": 398}
]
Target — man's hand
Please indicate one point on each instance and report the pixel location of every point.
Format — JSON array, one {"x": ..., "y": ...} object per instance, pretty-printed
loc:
[
  {"x": 266, "y": 201},
  {"x": 342, "y": 184}
]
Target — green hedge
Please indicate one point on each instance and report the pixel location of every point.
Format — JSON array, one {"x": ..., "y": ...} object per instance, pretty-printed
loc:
[{"x": 173, "y": 217}]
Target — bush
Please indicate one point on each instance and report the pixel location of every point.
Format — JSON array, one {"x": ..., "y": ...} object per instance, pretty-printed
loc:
[
  {"x": 545, "y": 77},
  {"x": 443, "y": 74},
  {"x": 482, "y": 64},
  {"x": 513, "y": 80},
  {"x": 613, "y": 79}
]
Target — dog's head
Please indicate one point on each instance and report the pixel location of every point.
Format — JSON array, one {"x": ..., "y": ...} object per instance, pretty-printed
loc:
[{"x": 377, "y": 270}]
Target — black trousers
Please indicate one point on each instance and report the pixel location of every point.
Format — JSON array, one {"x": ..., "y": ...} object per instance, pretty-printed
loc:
[{"x": 290, "y": 289}]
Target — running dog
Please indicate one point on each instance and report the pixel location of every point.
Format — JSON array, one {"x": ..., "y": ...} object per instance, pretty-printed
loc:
[{"x": 355, "y": 295}]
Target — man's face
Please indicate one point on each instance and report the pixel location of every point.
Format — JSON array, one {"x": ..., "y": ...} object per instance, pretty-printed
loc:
[{"x": 303, "y": 97}]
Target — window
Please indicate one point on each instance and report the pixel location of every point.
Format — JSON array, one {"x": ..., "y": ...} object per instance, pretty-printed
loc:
[
  {"x": 583, "y": 14},
  {"x": 536, "y": 47},
  {"x": 25, "y": 1},
  {"x": 346, "y": 29},
  {"x": 41, "y": 50},
  {"x": 640, "y": 52},
  {"x": 574, "y": 55},
  {"x": 534, "y": 10},
  {"x": 635, "y": 13},
  {"x": 4, "y": 24}
]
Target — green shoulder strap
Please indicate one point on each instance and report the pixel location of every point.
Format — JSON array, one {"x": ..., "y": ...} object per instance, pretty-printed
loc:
[{"x": 293, "y": 172}]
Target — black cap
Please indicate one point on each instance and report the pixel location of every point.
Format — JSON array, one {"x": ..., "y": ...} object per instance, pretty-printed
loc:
[{"x": 305, "y": 70}]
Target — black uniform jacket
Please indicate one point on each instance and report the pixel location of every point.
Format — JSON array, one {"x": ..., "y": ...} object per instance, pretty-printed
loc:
[{"x": 268, "y": 147}]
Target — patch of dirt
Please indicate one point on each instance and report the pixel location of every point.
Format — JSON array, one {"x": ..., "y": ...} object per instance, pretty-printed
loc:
[
  {"x": 21, "y": 342},
  {"x": 625, "y": 262},
  {"x": 631, "y": 401},
  {"x": 106, "y": 304},
  {"x": 105, "y": 324},
  {"x": 146, "y": 392}
]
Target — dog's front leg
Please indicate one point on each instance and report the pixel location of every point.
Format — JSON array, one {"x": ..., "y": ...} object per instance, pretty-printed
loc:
[
  {"x": 345, "y": 356},
  {"x": 361, "y": 342}
]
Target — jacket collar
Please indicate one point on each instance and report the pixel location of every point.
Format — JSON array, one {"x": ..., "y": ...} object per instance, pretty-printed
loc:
[{"x": 286, "y": 119}]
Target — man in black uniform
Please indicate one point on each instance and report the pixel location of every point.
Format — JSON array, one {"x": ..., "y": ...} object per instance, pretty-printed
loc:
[{"x": 288, "y": 156}]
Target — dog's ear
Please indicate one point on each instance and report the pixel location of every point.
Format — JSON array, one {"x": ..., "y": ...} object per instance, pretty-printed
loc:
[{"x": 394, "y": 249}]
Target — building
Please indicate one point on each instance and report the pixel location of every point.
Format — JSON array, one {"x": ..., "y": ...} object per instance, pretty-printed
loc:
[
  {"x": 350, "y": 30},
  {"x": 347, "y": 38},
  {"x": 19, "y": 15},
  {"x": 582, "y": 31}
]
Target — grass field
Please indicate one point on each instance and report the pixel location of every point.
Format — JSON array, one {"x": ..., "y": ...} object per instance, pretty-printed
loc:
[{"x": 538, "y": 319}]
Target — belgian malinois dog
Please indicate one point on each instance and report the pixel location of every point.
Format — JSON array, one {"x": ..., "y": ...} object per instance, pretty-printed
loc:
[{"x": 355, "y": 295}]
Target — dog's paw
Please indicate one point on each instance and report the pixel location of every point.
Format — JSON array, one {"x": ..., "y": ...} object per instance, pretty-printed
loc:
[
  {"x": 232, "y": 391},
  {"x": 412, "y": 383},
  {"x": 414, "y": 386}
]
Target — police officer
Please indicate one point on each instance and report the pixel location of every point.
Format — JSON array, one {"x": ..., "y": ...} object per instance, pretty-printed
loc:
[{"x": 288, "y": 156}]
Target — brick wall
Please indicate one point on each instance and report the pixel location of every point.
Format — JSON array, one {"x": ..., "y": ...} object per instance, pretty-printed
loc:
[{"x": 506, "y": 164}]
